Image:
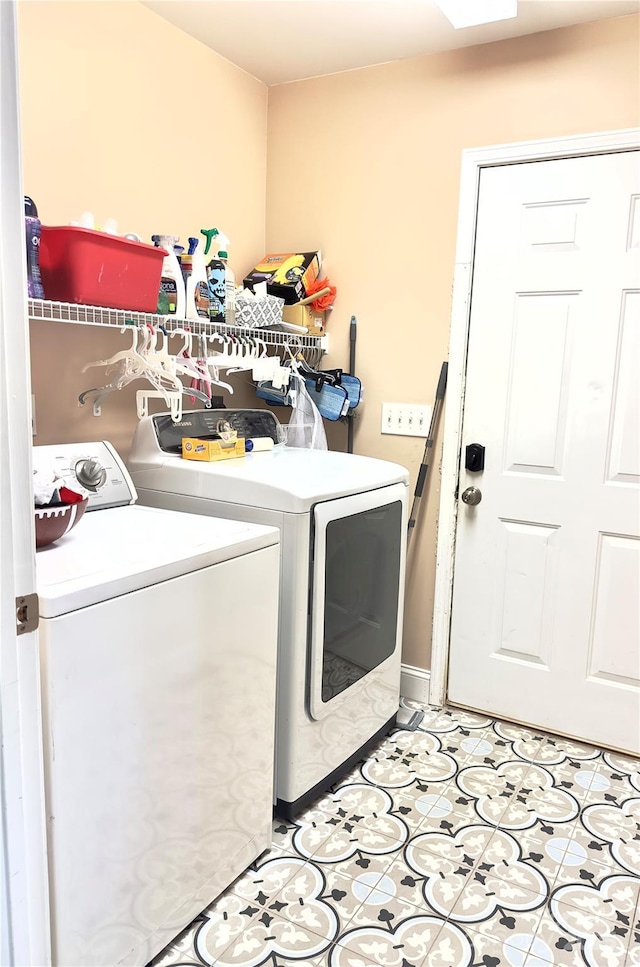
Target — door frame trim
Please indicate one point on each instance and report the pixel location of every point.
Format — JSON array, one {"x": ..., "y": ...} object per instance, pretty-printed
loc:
[
  {"x": 24, "y": 893},
  {"x": 473, "y": 160}
]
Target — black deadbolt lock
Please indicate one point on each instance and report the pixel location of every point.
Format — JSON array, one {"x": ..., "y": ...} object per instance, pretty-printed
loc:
[{"x": 474, "y": 458}]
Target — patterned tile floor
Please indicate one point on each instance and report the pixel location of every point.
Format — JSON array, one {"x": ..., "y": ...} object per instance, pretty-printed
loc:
[{"x": 467, "y": 843}]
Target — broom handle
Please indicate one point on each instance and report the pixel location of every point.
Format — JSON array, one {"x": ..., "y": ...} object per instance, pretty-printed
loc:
[{"x": 424, "y": 466}]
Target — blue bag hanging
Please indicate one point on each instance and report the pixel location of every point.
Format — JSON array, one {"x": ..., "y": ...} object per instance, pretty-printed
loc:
[
  {"x": 332, "y": 401},
  {"x": 353, "y": 387},
  {"x": 275, "y": 395}
]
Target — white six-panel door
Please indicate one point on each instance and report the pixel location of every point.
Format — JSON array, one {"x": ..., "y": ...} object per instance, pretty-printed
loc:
[{"x": 545, "y": 616}]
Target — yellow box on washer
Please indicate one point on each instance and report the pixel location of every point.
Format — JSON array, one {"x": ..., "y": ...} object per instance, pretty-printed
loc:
[{"x": 195, "y": 448}]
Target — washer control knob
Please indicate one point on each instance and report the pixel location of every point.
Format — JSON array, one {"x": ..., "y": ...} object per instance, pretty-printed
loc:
[{"x": 91, "y": 474}]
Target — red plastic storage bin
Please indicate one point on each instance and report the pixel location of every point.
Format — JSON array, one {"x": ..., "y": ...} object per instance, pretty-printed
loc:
[{"x": 96, "y": 269}]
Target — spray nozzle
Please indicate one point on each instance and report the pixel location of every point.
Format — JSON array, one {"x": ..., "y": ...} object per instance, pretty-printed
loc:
[
  {"x": 209, "y": 234},
  {"x": 193, "y": 244},
  {"x": 166, "y": 242},
  {"x": 223, "y": 244}
]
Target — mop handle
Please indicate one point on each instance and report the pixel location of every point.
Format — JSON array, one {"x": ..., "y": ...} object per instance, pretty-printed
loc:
[{"x": 424, "y": 466}]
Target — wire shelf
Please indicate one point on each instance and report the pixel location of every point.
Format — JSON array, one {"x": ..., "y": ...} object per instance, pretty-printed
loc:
[{"x": 120, "y": 318}]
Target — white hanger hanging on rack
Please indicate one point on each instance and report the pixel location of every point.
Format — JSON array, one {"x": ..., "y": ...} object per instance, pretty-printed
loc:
[
  {"x": 173, "y": 401},
  {"x": 131, "y": 355},
  {"x": 149, "y": 358},
  {"x": 131, "y": 364}
]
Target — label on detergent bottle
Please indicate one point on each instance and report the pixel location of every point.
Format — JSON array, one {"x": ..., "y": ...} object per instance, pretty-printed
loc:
[
  {"x": 201, "y": 296},
  {"x": 168, "y": 297},
  {"x": 216, "y": 285}
]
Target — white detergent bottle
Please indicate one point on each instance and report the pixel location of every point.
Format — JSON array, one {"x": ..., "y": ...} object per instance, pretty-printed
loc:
[
  {"x": 229, "y": 281},
  {"x": 197, "y": 290},
  {"x": 171, "y": 299}
]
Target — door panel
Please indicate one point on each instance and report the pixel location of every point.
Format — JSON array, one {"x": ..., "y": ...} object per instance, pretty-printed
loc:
[
  {"x": 535, "y": 425},
  {"x": 617, "y": 582},
  {"x": 546, "y": 618},
  {"x": 624, "y": 448},
  {"x": 525, "y": 576}
]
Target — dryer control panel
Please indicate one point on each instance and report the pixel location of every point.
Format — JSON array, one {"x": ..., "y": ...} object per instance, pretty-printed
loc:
[
  {"x": 202, "y": 423},
  {"x": 94, "y": 470}
]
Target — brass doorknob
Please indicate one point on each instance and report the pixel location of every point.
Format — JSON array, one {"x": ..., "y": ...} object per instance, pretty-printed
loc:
[{"x": 471, "y": 496}]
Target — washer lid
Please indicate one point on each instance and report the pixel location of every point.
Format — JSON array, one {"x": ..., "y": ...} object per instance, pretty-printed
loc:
[{"x": 117, "y": 551}]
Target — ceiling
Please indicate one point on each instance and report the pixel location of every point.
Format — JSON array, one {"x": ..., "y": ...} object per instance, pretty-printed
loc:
[{"x": 279, "y": 41}]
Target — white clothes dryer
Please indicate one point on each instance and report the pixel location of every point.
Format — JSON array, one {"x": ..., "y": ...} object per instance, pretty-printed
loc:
[
  {"x": 157, "y": 633},
  {"x": 343, "y": 523}
]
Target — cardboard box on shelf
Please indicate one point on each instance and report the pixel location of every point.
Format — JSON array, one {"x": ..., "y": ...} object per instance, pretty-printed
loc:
[
  {"x": 288, "y": 275},
  {"x": 305, "y": 316}
]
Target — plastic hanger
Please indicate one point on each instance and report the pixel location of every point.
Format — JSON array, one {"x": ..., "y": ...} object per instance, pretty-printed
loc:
[
  {"x": 173, "y": 401},
  {"x": 149, "y": 358},
  {"x": 125, "y": 354}
]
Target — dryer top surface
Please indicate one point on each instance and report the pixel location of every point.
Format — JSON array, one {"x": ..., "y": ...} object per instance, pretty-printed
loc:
[{"x": 284, "y": 479}]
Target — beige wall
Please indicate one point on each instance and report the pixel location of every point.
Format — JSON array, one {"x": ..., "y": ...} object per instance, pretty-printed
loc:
[
  {"x": 366, "y": 164},
  {"x": 125, "y": 116}
]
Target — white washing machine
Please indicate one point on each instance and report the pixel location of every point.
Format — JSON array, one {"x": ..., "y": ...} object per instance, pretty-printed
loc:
[
  {"x": 343, "y": 523},
  {"x": 158, "y": 653}
]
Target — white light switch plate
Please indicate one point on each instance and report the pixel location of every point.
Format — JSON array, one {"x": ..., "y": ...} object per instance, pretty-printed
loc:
[{"x": 406, "y": 419}]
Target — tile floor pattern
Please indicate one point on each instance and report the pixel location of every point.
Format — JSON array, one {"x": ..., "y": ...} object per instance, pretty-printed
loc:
[{"x": 467, "y": 843}]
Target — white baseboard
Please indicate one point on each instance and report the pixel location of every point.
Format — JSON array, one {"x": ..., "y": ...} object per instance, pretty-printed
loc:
[{"x": 414, "y": 683}]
